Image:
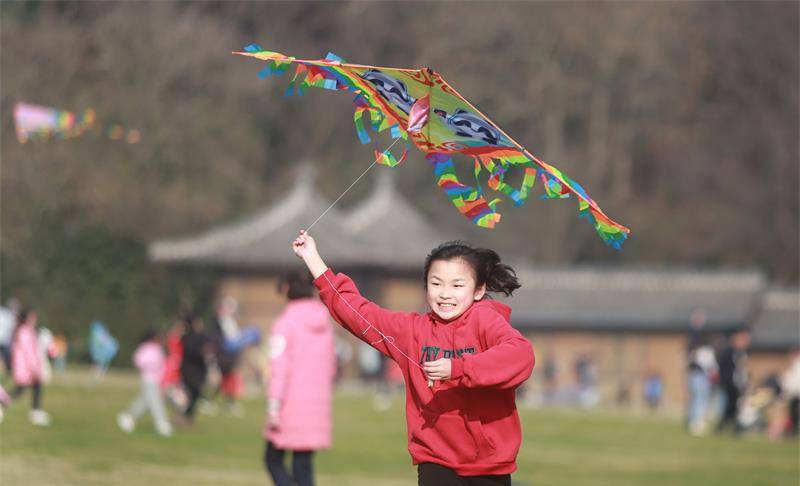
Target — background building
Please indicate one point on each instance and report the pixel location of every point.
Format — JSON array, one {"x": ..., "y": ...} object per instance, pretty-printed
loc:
[{"x": 620, "y": 325}]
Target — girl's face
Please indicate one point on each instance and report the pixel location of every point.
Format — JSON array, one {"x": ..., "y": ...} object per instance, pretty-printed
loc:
[{"x": 451, "y": 288}]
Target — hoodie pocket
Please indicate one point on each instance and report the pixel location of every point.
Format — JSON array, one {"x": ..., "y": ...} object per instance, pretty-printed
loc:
[
  {"x": 446, "y": 436},
  {"x": 486, "y": 446}
]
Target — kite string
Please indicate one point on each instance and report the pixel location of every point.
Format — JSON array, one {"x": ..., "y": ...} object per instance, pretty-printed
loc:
[
  {"x": 353, "y": 184},
  {"x": 389, "y": 339}
]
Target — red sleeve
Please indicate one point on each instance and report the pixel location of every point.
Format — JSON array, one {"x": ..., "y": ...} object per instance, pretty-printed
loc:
[
  {"x": 363, "y": 318},
  {"x": 507, "y": 363}
]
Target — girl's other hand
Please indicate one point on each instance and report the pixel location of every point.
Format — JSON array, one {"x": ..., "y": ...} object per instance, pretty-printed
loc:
[{"x": 441, "y": 369}]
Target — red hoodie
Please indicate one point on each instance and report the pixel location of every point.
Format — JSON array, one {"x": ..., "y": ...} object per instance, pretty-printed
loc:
[{"x": 470, "y": 422}]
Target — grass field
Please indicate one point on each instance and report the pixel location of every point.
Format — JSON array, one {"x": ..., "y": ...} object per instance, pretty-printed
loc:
[{"x": 568, "y": 447}]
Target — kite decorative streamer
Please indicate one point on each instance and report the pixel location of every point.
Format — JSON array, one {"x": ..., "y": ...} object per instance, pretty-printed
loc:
[
  {"x": 34, "y": 122},
  {"x": 419, "y": 104}
]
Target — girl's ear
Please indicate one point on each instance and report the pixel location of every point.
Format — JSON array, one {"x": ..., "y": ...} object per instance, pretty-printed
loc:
[{"x": 480, "y": 292}]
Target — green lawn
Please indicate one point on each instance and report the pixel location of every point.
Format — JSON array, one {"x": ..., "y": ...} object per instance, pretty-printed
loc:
[{"x": 566, "y": 447}]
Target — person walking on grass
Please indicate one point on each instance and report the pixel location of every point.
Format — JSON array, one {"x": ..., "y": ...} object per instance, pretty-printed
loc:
[
  {"x": 302, "y": 370},
  {"x": 171, "y": 380},
  {"x": 462, "y": 361},
  {"x": 733, "y": 379},
  {"x": 150, "y": 360},
  {"x": 194, "y": 367},
  {"x": 8, "y": 322},
  {"x": 27, "y": 366}
]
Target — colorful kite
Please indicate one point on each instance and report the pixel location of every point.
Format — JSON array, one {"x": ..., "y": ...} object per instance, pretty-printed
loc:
[
  {"x": 34, "y": 122},
  {"x": 420, "y": 104}
]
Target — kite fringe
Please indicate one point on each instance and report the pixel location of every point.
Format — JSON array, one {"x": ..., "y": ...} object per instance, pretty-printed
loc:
[{"x": 469, "y": 200}]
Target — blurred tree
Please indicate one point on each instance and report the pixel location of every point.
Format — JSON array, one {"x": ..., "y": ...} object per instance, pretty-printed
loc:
[{"x": 680, "y": 119}]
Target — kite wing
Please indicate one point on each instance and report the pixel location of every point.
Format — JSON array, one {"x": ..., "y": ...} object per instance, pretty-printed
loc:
[{"x": 419, "y": 104}]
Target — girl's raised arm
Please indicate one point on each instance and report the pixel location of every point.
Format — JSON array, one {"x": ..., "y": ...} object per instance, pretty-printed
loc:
[{"x": 385, "y": 330}]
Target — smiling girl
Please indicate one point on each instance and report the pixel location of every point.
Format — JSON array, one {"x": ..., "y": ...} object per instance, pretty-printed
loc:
[{"x": 465, "y": 429}]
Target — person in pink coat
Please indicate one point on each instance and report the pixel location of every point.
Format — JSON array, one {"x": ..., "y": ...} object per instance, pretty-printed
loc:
[
  {"x": 303, "y": 365},
  {"x": 27, "y": 365}
]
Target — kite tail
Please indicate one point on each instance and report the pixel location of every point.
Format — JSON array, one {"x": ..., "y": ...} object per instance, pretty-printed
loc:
[
  {"x": 555, "y": 184},
  {"x": 558, "y": 185},
  {"x": 468, "y": 200},
  {"x": 612, "y": 233},
  {"x": 388, "y": 159},
  {"x": 498, "y": 163}
]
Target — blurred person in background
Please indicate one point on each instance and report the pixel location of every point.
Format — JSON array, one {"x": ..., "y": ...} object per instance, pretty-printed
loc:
[
  {"x": 225, "y": 335},
  {"x": 171, "y": 380},
  {"x": 60, "y": 350},
  {"x": 394, "y": 381},
  {"x": 27, "y": 365},
  {"x": 733, "y": 378},
  {"x": 790, "y": 389},
  {"x": 370, "y": 367},
  {"x": 702, "y": 367},
  {"x": 653, "y": 389},
  {"x": 586, "y": 375},
  {"x": 550, "y": 380},
  {"x": 8, "y": 321},
  {"x": 44, "y": 345},
  {"x": 150, "y": 360},
  {"x": 194, "y": 368},
  {"x": 102, "y": 348},
  {"x": 303, "y": 366},
  {"x": 344, "y": 354}
]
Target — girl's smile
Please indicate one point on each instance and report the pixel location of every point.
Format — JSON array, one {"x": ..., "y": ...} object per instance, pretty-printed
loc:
[{"x": 451, "y": 288}]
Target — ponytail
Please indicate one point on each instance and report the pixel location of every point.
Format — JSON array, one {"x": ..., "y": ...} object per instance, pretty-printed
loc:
[{"x": 485, "y": 264}]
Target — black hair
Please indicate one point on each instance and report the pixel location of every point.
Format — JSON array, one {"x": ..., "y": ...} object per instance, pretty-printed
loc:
[
  {"x": 299, "y": 284},
  {"x": 148, "y": 335},
  {"x": 23, "y": 315},
  {"x": 485, "y": 263},
  {"x": 190, "y": 318},
  {"x": 21, "y": 318}
]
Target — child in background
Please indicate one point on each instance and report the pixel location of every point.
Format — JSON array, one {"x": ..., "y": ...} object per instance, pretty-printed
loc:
[
  {"x": 150, "y": 359},
  {"x": 653, "y": 389},
  {"x": 27, "y": 365},
  {"x": 171, "y": 381},
  {"x": 194, "y": 369},
  {"x": 102, "y": 348},
  {"x": 299, "y": 390},
  {"x": 60, "y": 349},
  {"x": 44, "y": 344},
  {"x": 464, "y": 429}
]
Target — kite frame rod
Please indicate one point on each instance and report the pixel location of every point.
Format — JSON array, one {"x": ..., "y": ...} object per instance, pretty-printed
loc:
[
  {"x": 319, "y": 62},
  {"x": 528, "y": 154}
]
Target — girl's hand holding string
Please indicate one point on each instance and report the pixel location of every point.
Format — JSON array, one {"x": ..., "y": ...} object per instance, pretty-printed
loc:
[
  {"x": 441, "y": 369},
  {"x": 305, "y": 248}
]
